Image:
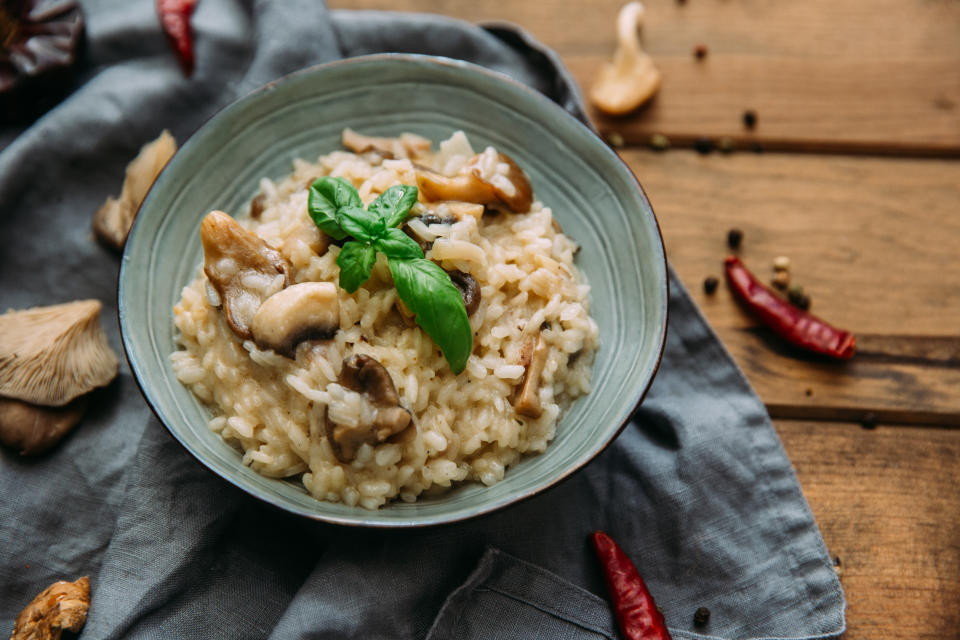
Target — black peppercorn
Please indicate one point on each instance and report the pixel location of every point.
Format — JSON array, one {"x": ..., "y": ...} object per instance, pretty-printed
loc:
[
  {"x": 734, "y": 238},
  {"x": 703, "y": 145},
  {"x": 700, "y": 51},
  {"x": 710, "y": 284},
  {"x": 749, "y": 118},
  {"x": 701, "y": 617}
]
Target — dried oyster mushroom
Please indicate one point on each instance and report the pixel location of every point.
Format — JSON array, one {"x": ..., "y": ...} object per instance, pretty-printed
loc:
[
  {"x": 631, "y": 79},
  {"x": 32, "y": 429},
  {"x": 62, "y": 606},
  {"x": 51, "y": 355},
  {"x": 489, "y": 178},
  {"x": 112, "y": 221},
  {"x": 408, "y": 145},
  {"x": 242, "y": 268}
]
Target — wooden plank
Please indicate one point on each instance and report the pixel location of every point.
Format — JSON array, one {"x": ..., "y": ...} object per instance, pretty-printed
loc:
[
  {"x": 822, "y": 75},
  {"x": 875, "y": 243},
  {"x": 887, "y": 501}
]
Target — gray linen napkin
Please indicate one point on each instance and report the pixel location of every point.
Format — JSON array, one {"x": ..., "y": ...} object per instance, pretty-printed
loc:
[{"x": 697, "y": 489}]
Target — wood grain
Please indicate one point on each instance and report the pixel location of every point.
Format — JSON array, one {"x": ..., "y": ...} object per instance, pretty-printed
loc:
[
  {"x": 874, "y": 242},
  {"x": 823, "y": 75},
  {"x": 887, "y": 501}
]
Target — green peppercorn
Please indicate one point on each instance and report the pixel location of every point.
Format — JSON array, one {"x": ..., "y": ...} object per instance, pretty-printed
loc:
[
  {"x": 701, "y": 617},
  {"x": 659, "y": 142},
  {"x": 734, "y": 238},
  {"x": 710, "y": 284},
  {"x": 725, "y": 145},
  {"x": 615, "y": 139}
]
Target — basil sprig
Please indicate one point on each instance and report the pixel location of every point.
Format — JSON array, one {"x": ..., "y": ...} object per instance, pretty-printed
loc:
[{"x": 425, "y": 288}]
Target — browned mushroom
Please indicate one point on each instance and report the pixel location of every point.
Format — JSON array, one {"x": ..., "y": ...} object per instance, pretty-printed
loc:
[
  {"x": 112, "y": 221},
  {"x": 408, "y": 145},
  {"x": 528, "y": 402},
  {"x": 475, "y": 183},
  {"x": 242, "y": 268},
  {"x": 51, "y": 355},
  {"x": 62, "y": 606},
  {"x": 468, "y": 288},
  {"x": 366, "y": 376},
  {"x": 304, "y": 311},
  {"x": 32, "y": 429}
]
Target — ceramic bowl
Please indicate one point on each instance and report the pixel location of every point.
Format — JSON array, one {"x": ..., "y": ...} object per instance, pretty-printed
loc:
[{"x": 593, "y": 194}]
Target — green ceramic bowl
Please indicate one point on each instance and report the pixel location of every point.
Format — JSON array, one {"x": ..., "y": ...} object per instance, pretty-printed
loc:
[{"x": 593, "y": 195}]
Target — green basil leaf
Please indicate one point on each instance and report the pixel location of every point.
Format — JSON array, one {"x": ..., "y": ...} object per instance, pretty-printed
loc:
[
  {"x": 355, "y": 261},
  {"x": 397, "y": 245},
  {"x": 327, "y": 196},
  {"x": 427, "y": 291},
  {"x": 361, "y": 224},
  {"x": 394, "y": 204}
]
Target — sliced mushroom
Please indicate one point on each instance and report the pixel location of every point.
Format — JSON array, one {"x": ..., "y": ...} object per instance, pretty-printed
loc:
[
  {"x": 489, "y": 178},
  {"x": 112, "y": 221},
  {"x": 62, "y": 606},
  {"x": 528, "y": 402},
  {"x": 51, "y": 355},
  {"x": 365, "y": 375},
  {"x": 242, "y": 268},
  {"x": 408, "y": 145},
  {"x": 631, "y": 79},
  {"x": 305, "y": 311},
  {"x": 32, "y": 429},
  {"x": 468, "y": 288}
]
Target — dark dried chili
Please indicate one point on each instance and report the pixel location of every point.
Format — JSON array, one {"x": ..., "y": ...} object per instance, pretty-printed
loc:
[
  {"x": 637, "y": 613},
  {"x": 175, "y": 19},
  {"x": 795, "y": 325}
]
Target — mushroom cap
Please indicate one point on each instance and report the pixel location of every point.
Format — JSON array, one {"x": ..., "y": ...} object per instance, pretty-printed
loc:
[
  {"x": 51, "y": 355},
  {"x": 32, "y": 429}
]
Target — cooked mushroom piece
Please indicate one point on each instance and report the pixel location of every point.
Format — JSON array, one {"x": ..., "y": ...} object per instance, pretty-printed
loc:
[
  {"x": 305, "y": 311},
  {"x": 112, "y": 221},
  {"x": 489, "y": 178},
  {"x": 468, "y": 288},
  {"x": 408, "y": 145},
  {"x": 528, "y": 402},
  {"x": 51, "y": 355},
  {"x": 243, "y": 269},
  {"x": 365, "y": 375},
  {"x": 62, "y": 606},
  {"x": 32, "y": 429},
  {"x": 631, "y": 79}
]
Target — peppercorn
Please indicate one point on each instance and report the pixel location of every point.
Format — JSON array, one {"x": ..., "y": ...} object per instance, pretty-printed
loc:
[
  {"x": 869, "y": 420},
  {"x": 726, "y": 144},
  {"x": 781, "y": 279},
  {"x": 803, "y": 302},
  {"x": 659, "y": 142},
  {"x": 615, "y": 139},
  {"x": 710, "y": 285},
  {"x": 794, "y": 293},
  {"x": 781, "y": 263},
  {"x": 838, "y": 566},
  {"x": 700, "y": 51},
  {"x": 734, "y": 238},
  {"x": 749, "y": 118},
  {"x": 703, "y": 145},
  {"x": 808, "y": 392},
  {"x": 701, "y": 617}
]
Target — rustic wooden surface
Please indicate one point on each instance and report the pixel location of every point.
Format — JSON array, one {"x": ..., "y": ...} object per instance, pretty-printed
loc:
[{"x": 858, "y": 107}]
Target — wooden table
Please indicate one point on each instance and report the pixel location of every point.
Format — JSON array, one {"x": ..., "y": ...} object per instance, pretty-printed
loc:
[{"x": 858, "y": 183}]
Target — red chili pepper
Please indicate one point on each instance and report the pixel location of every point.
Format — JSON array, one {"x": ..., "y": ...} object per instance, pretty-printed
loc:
[
  {"x": 635, "y": 609},
  {"x": 799, "y": 327},
  {"x": 175, "y": 19}
]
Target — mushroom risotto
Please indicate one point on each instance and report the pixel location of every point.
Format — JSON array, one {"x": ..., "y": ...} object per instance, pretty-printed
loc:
[{"x": 387, "y": 321}]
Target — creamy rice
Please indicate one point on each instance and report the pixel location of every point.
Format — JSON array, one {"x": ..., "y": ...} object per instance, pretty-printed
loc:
[{"x": 275, "y": 409}]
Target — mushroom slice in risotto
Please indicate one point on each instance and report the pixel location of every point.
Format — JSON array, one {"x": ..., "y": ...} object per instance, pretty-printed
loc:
[
  {"x": 407, "y": 145},
  {"x": 305, "y": 311},
  {"x": 489, "y": 178},
  {"x": 242, "y": 268},
  {"x": 528, "y": 402},
  {"x": 381, "y": 416}
]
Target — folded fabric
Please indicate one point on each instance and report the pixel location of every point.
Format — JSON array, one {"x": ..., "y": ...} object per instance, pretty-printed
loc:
[{"x": 697, "y": 489}]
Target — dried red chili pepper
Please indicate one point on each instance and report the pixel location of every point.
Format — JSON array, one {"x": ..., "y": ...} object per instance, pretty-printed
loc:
[
  {"x": 175, "y": 19},
  {"x": 798, "y": 327},
  {"x": 635, "y": 609}
]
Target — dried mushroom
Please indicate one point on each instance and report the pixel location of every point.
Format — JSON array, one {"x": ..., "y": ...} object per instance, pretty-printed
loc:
[
  {"x": 51, "y": 355},
  {"x": 527, "y": 402},
  {"x": 631, "y": 79},
  {"x": 366, "y": 376},
  {"x": 408, "y": 145},
  {"x": 243, "y": 269},
  {"x": 62, "y": 606},
  {"x": 305, "y": 311},
  {"x": 489, "y": 178},
  {"x": 112, "y": 221},
  {"x": 33, "y": 429}
]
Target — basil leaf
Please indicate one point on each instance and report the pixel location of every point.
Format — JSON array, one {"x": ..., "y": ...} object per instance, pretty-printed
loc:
[
  {"x": 327, "y": 196},
  {"x": 394, "y": 204},
  {"x": 361, "y": 224},
  {"x": 426, "y": 289},
  {"x": 355, "y": 261},
  {"x": 397, "y": 245}
]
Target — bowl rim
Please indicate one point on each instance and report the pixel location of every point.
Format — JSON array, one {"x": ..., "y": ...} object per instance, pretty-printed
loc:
[{"x": 542, "y": 101}]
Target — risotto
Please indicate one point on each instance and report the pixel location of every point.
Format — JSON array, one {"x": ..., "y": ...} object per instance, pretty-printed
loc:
[{"x": 348, "y": 392}]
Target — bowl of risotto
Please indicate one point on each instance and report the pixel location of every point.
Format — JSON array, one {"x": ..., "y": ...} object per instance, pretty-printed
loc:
[{"x": 394, "y": 291}]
